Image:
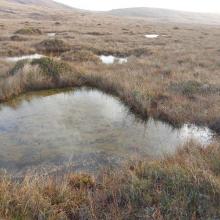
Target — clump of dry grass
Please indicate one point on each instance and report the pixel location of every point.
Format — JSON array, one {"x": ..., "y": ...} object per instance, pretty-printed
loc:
[
  {"x": 183, "y": 186},
  {"x": 29, "y": 31},
  {"x": 18, "y": 38},
  {"x": 191, "y": 87},
  {"x": 53, "y": 46},
  {"x": 80, "y": 56},
  {"x": 44, "y": 73}
]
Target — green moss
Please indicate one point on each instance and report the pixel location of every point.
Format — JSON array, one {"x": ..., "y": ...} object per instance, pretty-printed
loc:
[{"x": 51, "y": 67}]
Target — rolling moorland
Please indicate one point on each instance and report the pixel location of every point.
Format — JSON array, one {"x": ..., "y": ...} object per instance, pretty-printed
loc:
[{"x": 174, "y": 78}]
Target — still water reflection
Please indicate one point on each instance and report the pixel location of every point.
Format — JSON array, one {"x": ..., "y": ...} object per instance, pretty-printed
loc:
[{"x": 83, "y": 126}]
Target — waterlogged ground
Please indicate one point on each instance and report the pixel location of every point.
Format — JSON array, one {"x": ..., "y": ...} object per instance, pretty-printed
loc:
[{"x": 82, "y": 128}]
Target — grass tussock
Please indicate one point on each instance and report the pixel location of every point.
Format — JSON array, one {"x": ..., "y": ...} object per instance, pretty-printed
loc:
[
  {"x": 44, "y": 73},
  {"x": 17, "y": 38},
  {"x": 183, "y": 186},
  {"x": 53, "y": 46},
  {"x": 50, "y": 67},
  {"x": 29, "y": 31},
  {"x": 80, "y": 56}
]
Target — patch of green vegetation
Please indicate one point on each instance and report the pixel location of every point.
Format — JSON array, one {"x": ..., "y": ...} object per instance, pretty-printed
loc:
[
  {"x": 51, "y": 67},
  {"x": 29, "y": 31}
]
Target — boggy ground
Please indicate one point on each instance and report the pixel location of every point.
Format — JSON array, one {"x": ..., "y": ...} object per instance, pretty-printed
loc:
[{"x": 174, "y": 77}]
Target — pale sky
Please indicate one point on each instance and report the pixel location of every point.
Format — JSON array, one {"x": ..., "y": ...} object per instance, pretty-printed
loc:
[{"x": 184, "y": 5}]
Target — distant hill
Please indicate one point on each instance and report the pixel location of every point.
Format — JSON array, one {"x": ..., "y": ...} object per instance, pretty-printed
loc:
[
  {"x": 43, "y": 3},
  {"x": 35, "y": 9},
  {"x": 49, "y": 9},
  {"x": 166, "y": 15}
]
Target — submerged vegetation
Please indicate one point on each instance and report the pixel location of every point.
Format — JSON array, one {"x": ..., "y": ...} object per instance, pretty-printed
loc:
[{"x": 183, "y": 186}]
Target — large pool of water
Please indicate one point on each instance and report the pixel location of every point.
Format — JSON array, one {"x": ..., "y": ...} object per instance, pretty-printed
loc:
[{"x": 84, "y": 128}]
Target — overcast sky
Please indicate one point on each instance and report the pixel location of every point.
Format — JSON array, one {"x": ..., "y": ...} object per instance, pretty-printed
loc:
[{"x": 186, "y": 5}]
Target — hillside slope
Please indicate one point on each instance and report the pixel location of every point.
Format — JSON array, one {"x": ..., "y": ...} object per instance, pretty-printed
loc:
[
  {"x": 165, "y": 15},
  {"x": 36, "y": 9}
]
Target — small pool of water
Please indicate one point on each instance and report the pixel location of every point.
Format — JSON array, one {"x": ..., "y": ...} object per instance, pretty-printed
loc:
[
  {"x": 30, "y": 57},
  {"x": 112, "y": 59},
  {"x": 151, "y": 36},
  {"x": 84, "y": 128},
  {"x": 51, "y": 34}
]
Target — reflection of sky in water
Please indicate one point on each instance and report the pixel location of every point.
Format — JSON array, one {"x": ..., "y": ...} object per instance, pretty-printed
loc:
[
  {"x": 152, "y": 36},
  {"x": 68, "y": 124},
  {"x": 51, "y": 34},
  {"x": 112, "y": 59},
  {"x": 30, "y": 57}
]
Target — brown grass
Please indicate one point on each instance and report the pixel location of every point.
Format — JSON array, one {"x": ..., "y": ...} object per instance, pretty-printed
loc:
[
  {"x": 152, "y": 81},
  {"x": 174, "y": 104},
  {"x": 174, "y": 78},
  {"x": 184, "y": 186}
]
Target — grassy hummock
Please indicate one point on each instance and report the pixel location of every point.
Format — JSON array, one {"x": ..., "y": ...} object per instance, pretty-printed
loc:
[
  {"x": 29, "y": 31},
  {"x": 51, "y": 67}
]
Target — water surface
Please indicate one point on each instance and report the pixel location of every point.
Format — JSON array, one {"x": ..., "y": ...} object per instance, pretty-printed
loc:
[
  {"x": 112, "y": 59},
  {"x": 151, "y": 35},
  {"x": 82, "y": 127},
  {"x": 29, "y": 57},
  {"x": 51, "y": 34}
]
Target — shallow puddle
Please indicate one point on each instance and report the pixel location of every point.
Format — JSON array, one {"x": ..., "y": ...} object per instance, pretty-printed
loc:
[
  {"x": 84, "y": 128},
  {"x": 18, "y": 58},
  {"x": 151, "y": 36},
  {"x": 51, "y": 34},
  {"x": 112, "y": 59}
]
